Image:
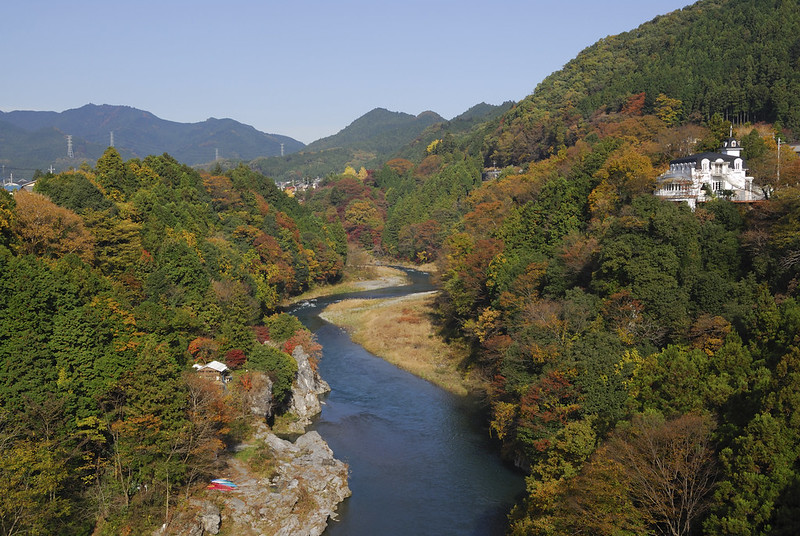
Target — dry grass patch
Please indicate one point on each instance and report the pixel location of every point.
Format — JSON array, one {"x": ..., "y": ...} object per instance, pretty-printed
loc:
[{"x": 399, "y": 330}]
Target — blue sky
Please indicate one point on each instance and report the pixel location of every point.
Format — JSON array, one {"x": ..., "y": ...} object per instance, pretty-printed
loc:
[{"x": 301, "y": 68}]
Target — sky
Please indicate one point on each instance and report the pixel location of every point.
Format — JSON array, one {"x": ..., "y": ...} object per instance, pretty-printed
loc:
[{"x": 300, "y": 68}]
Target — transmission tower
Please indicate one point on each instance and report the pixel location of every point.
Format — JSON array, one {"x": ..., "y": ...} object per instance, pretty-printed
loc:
[
  {"x": 281, "y": 149},
  {"x": 70, "y": 154},
  {"x": 216, "y": 154},
  {"x": 112, "y": 139}
]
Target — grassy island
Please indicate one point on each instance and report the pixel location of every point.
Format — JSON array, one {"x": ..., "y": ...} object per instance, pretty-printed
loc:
[{"x": 400, "y": 331}]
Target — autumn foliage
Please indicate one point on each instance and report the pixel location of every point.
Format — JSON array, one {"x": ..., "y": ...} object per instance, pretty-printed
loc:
[
  {"x": 306, "y": 340},
  {"x": 48, "y": 230},
  {"x": 235, "y": 358}
]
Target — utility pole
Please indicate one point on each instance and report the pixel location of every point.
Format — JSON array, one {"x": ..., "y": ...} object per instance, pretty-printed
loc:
[{"x": 779, "y": 162}]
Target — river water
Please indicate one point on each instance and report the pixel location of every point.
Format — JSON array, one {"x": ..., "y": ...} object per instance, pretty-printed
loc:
[{"x": 421, "y": 460}]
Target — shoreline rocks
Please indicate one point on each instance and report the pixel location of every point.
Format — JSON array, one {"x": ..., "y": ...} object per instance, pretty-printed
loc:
[
  {"x": 293, "y": 488},
  {"x": 295, "y": 496},
  {"x": 306, "y": 488}
]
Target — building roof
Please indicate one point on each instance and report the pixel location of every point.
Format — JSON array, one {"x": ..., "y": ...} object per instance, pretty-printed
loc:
[
  {"x": 214, "y": 365},
  {"x": 712, "y": 157}
]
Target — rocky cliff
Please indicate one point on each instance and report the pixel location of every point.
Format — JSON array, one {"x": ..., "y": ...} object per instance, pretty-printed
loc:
[
  {"x": 308, "y": 387},
  {"x": 296, "y": 496},
  {"x": 282, "y": 488}
]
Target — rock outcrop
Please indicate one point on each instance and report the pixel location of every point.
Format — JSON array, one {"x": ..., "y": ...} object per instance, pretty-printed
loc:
[
  {"x": 258, "y": 399},
  {"x": 297, "y": 487},
  {"x": 295, "y": 496},
  {"x": 308, "y": 387}
]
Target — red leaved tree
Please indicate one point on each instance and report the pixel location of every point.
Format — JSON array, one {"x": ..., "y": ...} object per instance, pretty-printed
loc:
[
  {"x": 306, "y": 339},
  {"x": 235, "y": 358}
]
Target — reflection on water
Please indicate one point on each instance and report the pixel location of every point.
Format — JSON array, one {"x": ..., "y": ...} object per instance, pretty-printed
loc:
[{"x": 421, "y": 461}]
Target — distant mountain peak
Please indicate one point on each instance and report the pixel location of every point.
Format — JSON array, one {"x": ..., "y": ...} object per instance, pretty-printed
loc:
[{"x": 379, "y": 131}]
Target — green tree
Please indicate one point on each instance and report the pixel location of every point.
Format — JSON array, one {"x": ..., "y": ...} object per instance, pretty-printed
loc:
[
  {"x": 32, "y": 476},
  {"x": 280, "y": 367},
  {"x": 112, "y": 175}
]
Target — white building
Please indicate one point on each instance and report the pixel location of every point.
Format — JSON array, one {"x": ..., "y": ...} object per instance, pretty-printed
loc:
[
  {"x": 214, "y": 371},
  {"x": 699, "y": 177}
]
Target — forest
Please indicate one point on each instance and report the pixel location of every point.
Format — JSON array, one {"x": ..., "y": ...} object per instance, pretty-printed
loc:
[
  {"x": 737, "y": 58},
  {"x": 638, "y": 360},
  {"x": 114, "y": 281}
]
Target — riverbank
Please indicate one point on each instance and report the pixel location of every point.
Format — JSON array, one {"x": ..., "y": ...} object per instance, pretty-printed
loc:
[
  {"x": 373, "y": 278},
  {"x": 362, "y": 272},
  {"x": 400, "y": 331}
]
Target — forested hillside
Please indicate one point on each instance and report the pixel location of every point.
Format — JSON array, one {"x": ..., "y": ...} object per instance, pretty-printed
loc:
[
  {"x": 367, "y": 141},
  {"x": 114, "y": 281},
  {"x": 640, "y": 359},
  {"x": 736, "y": 58},
  {"x": 375, "y": 138}
]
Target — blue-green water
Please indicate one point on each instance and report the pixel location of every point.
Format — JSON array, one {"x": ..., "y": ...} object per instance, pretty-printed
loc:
[{"x": 421, "y": 460}]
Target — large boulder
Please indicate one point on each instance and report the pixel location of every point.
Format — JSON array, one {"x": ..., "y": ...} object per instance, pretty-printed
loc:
[{"x": 302, "y": 492}]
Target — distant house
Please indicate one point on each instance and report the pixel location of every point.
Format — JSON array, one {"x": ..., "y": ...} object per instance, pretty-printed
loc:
[
  {"x": 699, "y": 177},
  {"x": 490, "y": 173},
  {"x": 9, "y": 185},
  {"x": 214, "y": 371}
]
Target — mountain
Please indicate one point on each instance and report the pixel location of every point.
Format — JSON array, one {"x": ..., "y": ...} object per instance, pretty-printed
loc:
[
  {"x": 736, "y": 58},
  {"x": 36, "y": 139},
  {"x": 374, "y": 138},
  {"x": 379, "y": 132},
  {"x": 475, "y": 123}
]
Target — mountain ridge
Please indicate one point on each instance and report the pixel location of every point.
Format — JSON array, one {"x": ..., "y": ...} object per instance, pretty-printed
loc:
[
  {"x": 137, "y": 133},
  {"x": 373, "y": 139},
  {"x": 379, "y": 130}
]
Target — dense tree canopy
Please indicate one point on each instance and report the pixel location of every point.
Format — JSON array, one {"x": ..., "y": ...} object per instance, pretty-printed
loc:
[
  {"x": 640, "y": 361},
  {"x": 113, "y": 281},
  {"x": 735, "y": 58}
]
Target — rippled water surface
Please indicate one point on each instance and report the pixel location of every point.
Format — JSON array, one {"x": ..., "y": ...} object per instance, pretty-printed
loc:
[{"x": 421, "y": 462}]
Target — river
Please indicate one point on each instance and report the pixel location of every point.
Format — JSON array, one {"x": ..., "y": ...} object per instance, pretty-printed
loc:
[{"x": 421, "y": 460}]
